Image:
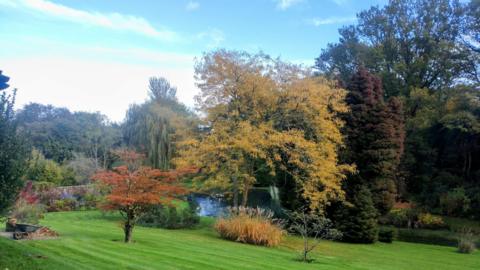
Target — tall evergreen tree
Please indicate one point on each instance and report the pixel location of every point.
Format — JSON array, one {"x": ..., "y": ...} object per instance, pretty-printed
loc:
[
  {"x": 375, "y": 135},
  {"x": 358, "y": 220},
  {"x": 427, "y": 53},
  {"x": 13, "y": 149}
]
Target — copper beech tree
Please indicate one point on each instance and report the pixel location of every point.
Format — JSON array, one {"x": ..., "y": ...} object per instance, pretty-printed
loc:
[{"x": 133, "y": 188}]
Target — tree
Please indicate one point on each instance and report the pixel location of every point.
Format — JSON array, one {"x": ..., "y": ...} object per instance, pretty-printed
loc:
[
  {"x": 471, "y": 39},
  {"x": 3, "y": 81},
  {"x": 43, "y": 170},
  {"x": 413, "y": 43},
  {"x": 14, "y": 150},
  {"x": 98, "y": 136},
  {"x": 357, "y": 219},
  {"x": 311, "y": 227},
  {"x": 375, "y": 136},
  {"x": 134, "y": 189},
  {"x": 83, "y": 167},
  {"x": 426, "y": 53},
  {"x": 161, "y": 90},
  {"x": 58, "y": 133},
  {"x": 154, "y": 126},
  {"x": 341, "y": 60},
  {"x": 442, "y": 146},
  {"x": 265, "y": 117}
]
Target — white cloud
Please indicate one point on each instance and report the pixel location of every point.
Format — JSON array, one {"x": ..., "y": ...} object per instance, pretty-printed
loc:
[
  {"x": 285, "y": 4},
  {"x": 157, "y": 58},
  {"x": 340, "y": 2},
  {"x": 92, "y": 85},
  {"x": 114, "y": 21},
  {"x": 192, "y": 6},
  {"x": 330, "y": 20},
  {"x": 215, "y": 37}
]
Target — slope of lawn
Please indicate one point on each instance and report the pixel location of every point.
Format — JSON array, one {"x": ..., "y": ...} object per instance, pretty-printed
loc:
[{"x": 90, "y": 240}]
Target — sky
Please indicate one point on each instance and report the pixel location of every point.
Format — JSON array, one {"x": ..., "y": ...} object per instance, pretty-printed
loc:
[{"x": 97, "y": 55}]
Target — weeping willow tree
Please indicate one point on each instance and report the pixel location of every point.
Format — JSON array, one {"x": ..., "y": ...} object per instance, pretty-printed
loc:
[{"x": 154, "y": 126}]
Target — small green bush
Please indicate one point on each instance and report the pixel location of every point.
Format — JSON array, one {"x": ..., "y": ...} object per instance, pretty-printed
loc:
[
  {"x": 358, "y": 221},
  {"x": 169, "y": 217},
  {"x": 466, "y": 243},
  {"x": 432, "y": 222},
  {"x": 396, "y": 217},
  {"x": 386, "y": 235},
  {"x": 25, "y": 212},
  {"x": 189, "y": 216},
  {"x": 455, "y": 202},
  {"x": 90, "y": 201},
  {"x": 67, "y": 204},
  {"x": 42, "y": 169},
  {"x": 414, "y": 219}
]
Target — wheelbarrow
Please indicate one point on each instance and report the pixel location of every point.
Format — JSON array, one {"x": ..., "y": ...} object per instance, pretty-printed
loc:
[{"x": 25, "y": 231}]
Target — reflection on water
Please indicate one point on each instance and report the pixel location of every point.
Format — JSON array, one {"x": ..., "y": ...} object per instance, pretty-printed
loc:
[
  {"x": 263, "y": 197},
  {"x": 209, "y": 206}
]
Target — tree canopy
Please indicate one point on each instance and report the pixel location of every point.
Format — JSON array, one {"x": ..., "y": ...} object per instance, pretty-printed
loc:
[
  {"x": 14, "y": 149},
  {"x": 251, "y": 104}
]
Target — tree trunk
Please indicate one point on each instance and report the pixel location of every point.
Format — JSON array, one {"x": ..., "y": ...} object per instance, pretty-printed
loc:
[
  {"x": 235, "y": 192},
  {"x": 105, "y": 157},
  {"x": 128, "y": 228},
  {"x": 305, "y": 248},
  {"x": 245, "y": 196},
  {"x": 128, "y": 232},
  {"x": 95, "y": 155}
]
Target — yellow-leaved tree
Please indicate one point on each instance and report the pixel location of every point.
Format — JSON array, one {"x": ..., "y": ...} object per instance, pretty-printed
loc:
[{"x": 265, "y": 116}]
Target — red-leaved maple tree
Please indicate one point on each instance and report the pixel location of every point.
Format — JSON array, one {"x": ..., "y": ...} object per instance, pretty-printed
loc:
[{"x": 133, "y": 188}]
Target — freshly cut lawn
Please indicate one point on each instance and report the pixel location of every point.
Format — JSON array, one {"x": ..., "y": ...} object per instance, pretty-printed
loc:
[{"x": 90, "y": 240}]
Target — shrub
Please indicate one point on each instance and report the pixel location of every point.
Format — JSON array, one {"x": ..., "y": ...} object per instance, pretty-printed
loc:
[
  {"x": 189, "y": 215},
  {"x": 27, "y": 208},
  {"x": 67, "y": 204},
  {"x": 358, "y": 222},
  {"x": 311, "y": 227},
  {"x": 250, "y": 225},
  {"x": 455, "y": 202},
  {"x": 39, "y": 186},
  {"x": 414, "y": 219},
  {"x": 25, "y": 212},
  {"x": 396, "y": 217},
  {"x": 170, "y": 218},
  {"x": 90, "y": 201},
  {"x": 432, "y": 222},
  {"x": 83, "y": 168},
  {"x": 68, "y": 199},
  {"x": 466, "y": 243},
  {"x": 386, "y": 235},
  {"x": 42, "y": 169}
]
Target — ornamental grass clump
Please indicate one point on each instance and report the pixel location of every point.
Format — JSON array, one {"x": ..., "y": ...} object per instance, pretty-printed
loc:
[
  {"x": 254, "y": 226},
  {"x": 466, "y": 242}
]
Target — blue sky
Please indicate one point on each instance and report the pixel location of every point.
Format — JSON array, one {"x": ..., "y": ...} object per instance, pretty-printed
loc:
[{"x": 98, "y": 55}]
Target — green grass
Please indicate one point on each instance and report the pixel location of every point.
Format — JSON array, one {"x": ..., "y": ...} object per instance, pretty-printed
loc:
[{"x": 90, "y": 240}]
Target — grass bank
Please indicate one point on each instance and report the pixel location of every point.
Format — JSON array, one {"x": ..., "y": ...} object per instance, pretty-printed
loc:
[{"x": 90, "y": 240}]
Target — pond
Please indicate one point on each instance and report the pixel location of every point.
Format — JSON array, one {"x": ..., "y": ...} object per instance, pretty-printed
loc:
[
  {"x": 209, "y": 206},
  {"x": 213, "y": 205}
]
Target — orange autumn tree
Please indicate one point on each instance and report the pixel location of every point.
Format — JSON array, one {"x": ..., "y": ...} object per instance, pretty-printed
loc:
[{"x": 133, "y": 188}]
